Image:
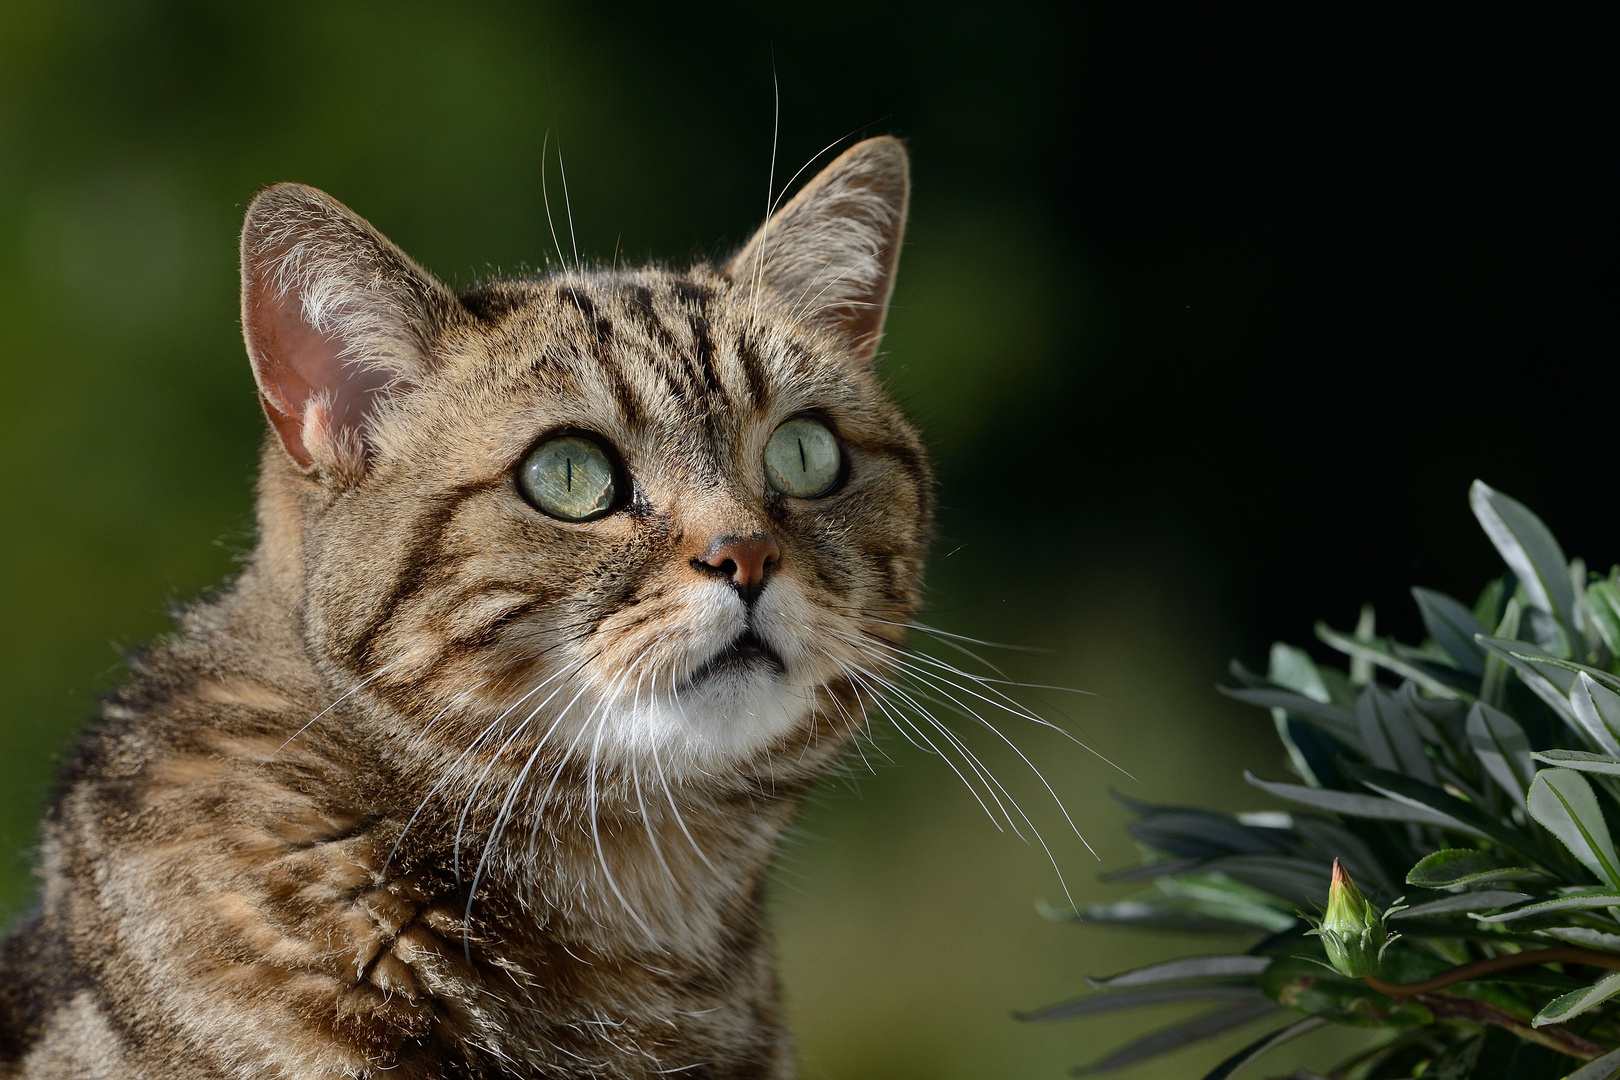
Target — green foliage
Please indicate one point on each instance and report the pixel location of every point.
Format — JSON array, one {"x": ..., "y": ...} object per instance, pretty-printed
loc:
[{"x": 1477, "y": 777}]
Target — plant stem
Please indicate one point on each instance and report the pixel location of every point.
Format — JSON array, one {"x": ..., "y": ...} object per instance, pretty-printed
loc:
[
  {"x": 1446, "y": 1007},
  {"x": 1470, "y": 972}
]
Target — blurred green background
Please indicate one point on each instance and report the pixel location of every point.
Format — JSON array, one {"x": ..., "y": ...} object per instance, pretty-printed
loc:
[{"x": 1209, "y": 319}]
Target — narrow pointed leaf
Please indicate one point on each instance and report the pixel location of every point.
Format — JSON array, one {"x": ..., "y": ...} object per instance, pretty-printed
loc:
[
  {"x": 1460, "y": 867},
  {"x": 1578, "y": 1001},
  {"x": 1579, "y": 900},
  {"x": 1597, "y": 711},
  {"x": 1502, "y": 747},
  {"x": 1336, "y": 721},
  {"x": 1563, "y": 802},
  {"x": 1603, "y": 607},
  {"x": 1201, "y": 834},
  {"x": 1118, "y": 1001},
  {"x": 1537, "y": 656},
  {"x": 1580, "y": 761},
  {"x": 1489, "y": 900},
  {"x": 1466, "y": 815},
  {"x": 1528, "y": 547},
  {"x": 1606, "y": 1067},
  {"x": 1199, "y": 1028},
  {"x": 1584, "y": 936},
  {"x": 1453, "y": 628},
  {"x": 1354, "y": 805},
  {"x": 1390, "y": 734},
  {"x": 1178, "y": 915},
  {"x": 1263, "y": 1046},
  {"x": 1303, "y": 882},
  {"x": 1375, "y": 651},
  {"x": 1336, "y": 842},
  {"x": 1190, "y": 967},
  {"x": 1550, "y": 682},
  {"x": 1293, "y": 667}
]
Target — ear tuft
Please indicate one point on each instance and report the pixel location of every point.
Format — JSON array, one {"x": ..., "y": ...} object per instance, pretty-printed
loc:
[
  {"x": 336, "y": 318},
  {"x": 832, "y": 251}
]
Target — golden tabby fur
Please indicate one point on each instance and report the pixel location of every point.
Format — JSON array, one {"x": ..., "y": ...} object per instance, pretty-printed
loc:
[{"x": 444, "y": 786}]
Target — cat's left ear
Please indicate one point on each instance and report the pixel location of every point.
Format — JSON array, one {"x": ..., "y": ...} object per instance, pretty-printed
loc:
[
  {"x": 831, "y": 252},
  {"x": 336, "y": 319}
]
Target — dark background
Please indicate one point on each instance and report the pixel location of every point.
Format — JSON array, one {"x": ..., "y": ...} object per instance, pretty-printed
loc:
[{"x": 1209, "y": 316}]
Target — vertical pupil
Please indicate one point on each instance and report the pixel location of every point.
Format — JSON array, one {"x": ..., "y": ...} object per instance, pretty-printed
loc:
[
  {"x": 804, "y": 466},
  {"x": 568, "y": 464}
]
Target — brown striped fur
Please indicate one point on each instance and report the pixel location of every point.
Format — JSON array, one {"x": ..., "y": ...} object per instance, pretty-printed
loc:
[{"x": 431, "y": 790}]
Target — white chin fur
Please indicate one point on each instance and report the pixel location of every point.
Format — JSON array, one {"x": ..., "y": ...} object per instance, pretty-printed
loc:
[{"x": 723, "y": 717}]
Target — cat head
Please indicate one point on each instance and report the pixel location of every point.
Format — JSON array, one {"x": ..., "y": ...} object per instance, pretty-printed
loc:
[{"x": 606, "y": 517}]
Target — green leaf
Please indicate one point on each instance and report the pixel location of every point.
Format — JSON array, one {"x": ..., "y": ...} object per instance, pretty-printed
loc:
[
  {"x": 1199, "y": 1028},
  {"x": 1118, "y": 1001},
  {"x": 1263, "y": 1046},
  {"x": 1528, "y": 547},
  {"x": 1606, "y": 1067},
  {"x": 1455, "y": 868},
  {"x": 1378, "y": 652},
  {"x": 1489, "y": 900},
  {"x": 1603, "y": 605},
  {"x": 1563, "y": 802},
  {"x": 1303, "y": 882},
  {"x": 1453, "y": 627},
  {"x": 1550, "y": 681},
  {"x": 1490, "y": 602},
  {"x": 1189, "y": 967},
  {"x": 1470, "y": 817},
  {"x": 1578, "y": 1001},
  {"x": 1389, "y": 733},
  {"x": 1597, "y": 711},
  {"x": 1201, "y": 834},
  {"x": 1580, "y": 761},
  {"x": 1584, "y": 936},
  {"x": 1361, "y": 667},
  {"x": 1336, "y": 721},
  {"x": 1294, "y": 668},
  {"x": 1222, "y": 897},
  {"x": 1607, "y": 678},
  {"x": 1187, "y": 905},
  {"x": 1336, "y": 842},
  {"x": 1502, "y": 747},
  {"x": 1353, "y": 805},
  {"x": 1579, "y": 900}
]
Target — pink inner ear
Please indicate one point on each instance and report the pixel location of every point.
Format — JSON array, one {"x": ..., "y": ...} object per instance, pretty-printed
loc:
[{"x": 311, "y": 394}]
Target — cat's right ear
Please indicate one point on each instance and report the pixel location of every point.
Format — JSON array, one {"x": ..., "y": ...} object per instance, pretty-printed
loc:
[{"x": 335, "y": 318}]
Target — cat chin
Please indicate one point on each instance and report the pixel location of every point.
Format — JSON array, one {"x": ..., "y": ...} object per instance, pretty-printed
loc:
[{"x": 722, "y": 721}]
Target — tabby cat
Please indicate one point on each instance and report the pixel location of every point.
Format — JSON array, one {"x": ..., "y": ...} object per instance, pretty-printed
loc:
[{"x": 565, "y": 590}]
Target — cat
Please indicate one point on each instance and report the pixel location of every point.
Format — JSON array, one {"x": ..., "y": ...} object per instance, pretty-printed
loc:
[{"x": 565, "y": 590}]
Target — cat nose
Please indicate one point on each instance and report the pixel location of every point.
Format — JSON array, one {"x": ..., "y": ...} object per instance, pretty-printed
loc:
[{"x": 744, "y": 559}]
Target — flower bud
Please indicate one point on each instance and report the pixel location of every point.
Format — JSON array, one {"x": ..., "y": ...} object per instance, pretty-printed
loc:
[{"x": 1352, "y": 930}]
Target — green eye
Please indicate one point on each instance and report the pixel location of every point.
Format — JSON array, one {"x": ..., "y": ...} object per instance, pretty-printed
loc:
[
  {"x": 571, "y": 478},
  {"x": 802, "y": 459}
]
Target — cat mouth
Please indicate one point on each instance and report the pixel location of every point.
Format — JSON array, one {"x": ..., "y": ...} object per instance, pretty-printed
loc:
[{"x": 748, "y": 651}]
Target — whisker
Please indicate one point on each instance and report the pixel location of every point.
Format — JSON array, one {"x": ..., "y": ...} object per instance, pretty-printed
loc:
[
  {"x": 1034, "y": 830},
  {"x": 907, "y": 660},
  {"x": 357, "y": 688},
  {"x": 568, "y": 206},
  {"x": 878, "y": 688},
  {"x": 472, "y": 796},
  {"x": 663, "y": 779},
  {"x": 902, "y": 722},
  {"x": 596, "y": 831},
  {"x": 545, "y": 197},
  {"x": 770, "y": 196}
]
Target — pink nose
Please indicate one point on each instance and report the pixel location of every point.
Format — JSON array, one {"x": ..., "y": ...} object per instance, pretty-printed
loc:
[{"x": 744, "y": 559}]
